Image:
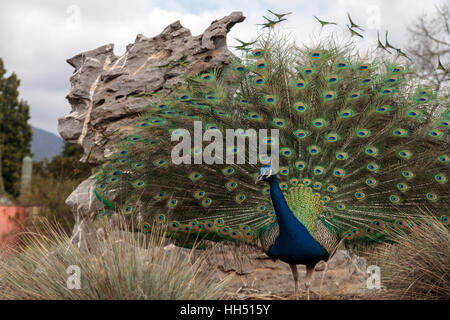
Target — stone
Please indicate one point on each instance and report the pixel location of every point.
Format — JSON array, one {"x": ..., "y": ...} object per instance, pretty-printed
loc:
[
  {"x": 105, "y": 88},
  {"x": 108, "y": 92},
  {"x": 84, "y": 204}
]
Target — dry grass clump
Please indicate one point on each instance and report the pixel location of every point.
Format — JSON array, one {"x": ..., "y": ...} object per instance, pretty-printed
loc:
[
  {"x": 416, "y": 265},
  {"x": 119, "y": 265}
]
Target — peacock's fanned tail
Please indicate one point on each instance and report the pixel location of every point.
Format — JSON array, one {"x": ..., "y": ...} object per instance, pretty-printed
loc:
[{"x": 357, "y": 150}]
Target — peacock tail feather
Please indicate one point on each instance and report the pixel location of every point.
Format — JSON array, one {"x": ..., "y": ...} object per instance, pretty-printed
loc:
[{"x": 358, "y": 148}]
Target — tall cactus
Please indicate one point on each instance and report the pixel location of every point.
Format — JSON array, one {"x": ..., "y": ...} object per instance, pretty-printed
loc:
[{"x": 25, "y": 184}]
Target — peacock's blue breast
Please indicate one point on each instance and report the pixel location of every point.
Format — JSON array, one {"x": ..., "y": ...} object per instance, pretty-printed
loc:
[{"x": 297, "y": 247}]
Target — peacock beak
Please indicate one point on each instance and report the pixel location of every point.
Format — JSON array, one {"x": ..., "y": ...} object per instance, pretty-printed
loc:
[{"x": 260, "y": 177}]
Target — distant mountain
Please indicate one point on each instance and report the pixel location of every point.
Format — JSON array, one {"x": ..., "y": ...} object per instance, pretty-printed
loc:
[{"x": 45, "y": 144}]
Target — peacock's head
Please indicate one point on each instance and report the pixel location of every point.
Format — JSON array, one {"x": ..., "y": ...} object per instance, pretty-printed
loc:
[{"x": 266, "y": 173}]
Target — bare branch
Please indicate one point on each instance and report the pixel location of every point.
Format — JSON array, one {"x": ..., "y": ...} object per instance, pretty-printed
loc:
[{"x": 429, "y": 42}]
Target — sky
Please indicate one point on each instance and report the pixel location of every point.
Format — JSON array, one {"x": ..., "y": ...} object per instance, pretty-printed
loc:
[{"x": 36, "y": 37}]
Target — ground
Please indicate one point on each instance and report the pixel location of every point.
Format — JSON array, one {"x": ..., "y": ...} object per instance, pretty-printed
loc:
[{"x": 253, "y": 275}]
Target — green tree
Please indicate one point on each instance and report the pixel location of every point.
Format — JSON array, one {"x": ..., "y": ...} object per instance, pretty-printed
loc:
[
  {"x": 15, "y": 132},
  {"x": 68, "y": 165}
]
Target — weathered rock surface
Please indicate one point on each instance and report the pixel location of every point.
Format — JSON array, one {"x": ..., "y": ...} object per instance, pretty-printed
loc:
[
  {"x": 105, "y": 89},
  {"x": 108, "y": 92},
  {"x": 83, "y": 203}
]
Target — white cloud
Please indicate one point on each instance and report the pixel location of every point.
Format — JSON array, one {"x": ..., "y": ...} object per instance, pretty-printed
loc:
[{"x": 37, "y": 37}]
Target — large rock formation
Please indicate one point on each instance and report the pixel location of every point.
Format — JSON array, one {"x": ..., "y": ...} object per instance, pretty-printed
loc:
[{"x": 108, "y": 92}]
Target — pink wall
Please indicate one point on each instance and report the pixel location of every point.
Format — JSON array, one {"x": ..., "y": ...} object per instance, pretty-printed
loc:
[{"x": 11, "y": 218}]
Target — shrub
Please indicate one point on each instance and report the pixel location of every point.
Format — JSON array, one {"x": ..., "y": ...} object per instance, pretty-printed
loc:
[
  {"x": 121, "y": 265},
  {"x": 416, "y": 265}
]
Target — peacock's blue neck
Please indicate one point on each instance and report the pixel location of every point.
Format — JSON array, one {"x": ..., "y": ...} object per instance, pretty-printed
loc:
[{"x": 285, "y": 217}]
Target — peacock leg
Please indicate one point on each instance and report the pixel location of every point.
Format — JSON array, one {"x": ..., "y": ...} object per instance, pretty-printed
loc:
[
  {"x": 323, "y": 277},
  {"x": 295, "y": 275},
  {"x": 309, "y": 272}
]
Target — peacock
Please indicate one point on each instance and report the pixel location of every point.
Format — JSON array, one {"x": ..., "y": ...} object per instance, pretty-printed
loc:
[{"x": 293, "y": 150}]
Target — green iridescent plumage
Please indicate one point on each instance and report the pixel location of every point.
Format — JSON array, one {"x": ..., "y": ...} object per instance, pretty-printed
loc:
[{"x": 357, "y": 150}]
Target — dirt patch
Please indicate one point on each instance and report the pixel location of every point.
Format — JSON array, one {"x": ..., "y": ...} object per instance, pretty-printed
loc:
[{"x": 256, "y": 276}]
